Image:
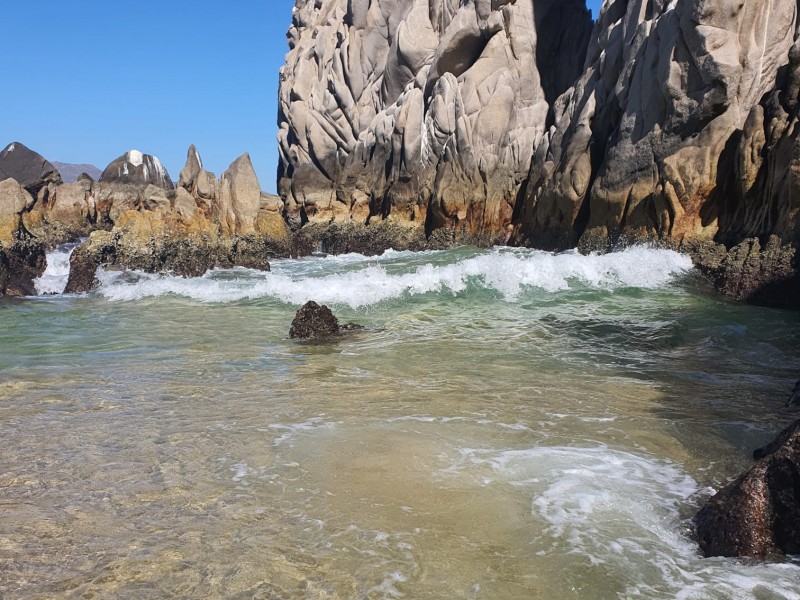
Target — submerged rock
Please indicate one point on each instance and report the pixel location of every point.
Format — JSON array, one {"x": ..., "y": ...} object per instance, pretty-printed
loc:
[
  {"x": 313, "y": 322},
  {"x": 759, "y": 513}
]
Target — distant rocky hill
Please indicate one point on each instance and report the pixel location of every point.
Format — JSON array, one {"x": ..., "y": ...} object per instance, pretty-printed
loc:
[{"x": 70, "y": 172}]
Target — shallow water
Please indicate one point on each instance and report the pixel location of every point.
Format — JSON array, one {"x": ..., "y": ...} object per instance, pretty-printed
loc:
[{"x": 511, "y": 424}]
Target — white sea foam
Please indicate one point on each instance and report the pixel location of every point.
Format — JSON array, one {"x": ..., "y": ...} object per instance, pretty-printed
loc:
[
  {"x": 508, "y": 272},
  {"x": 54, "y": 279},
  {"x": 622, "y": 510}
]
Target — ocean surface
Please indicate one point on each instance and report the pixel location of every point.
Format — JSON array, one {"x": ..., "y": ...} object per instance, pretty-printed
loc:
[{"x": 509, "y": 424}]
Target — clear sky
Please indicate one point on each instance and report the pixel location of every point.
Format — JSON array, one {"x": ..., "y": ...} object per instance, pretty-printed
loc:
[{"x": 85, "y": 81}]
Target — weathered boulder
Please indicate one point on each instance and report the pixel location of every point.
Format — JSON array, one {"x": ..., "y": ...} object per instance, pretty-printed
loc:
[
  {"x": 748, "y": 272},
  {"x": 426, "y": 110},
  {"x": 22, "y": 256},
  {"x": 21, "y": 261},
  {"x": 313, "y": 322},
  {"x": 195, "y": 179},
  {"x": 139, "y": 169},
  {"x": 98, "y": 250},
  {"x": 239, "y": 198},
  {"x": 759, "y": 513},
  {"x": 69, "y": 214},
  {"x": 15, "y": 201},
  {"x": 30, "y": 169}
]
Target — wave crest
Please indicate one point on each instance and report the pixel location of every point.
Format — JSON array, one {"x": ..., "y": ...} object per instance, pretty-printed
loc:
[{"x": 368, "y": 281}]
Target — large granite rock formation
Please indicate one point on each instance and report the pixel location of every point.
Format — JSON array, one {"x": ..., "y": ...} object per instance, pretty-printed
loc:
[
  {"x": 28, "y": 168},
  {"x": 421, "y": 110},
  {"x": 668, "y": 131},
  {"x": 759, "y": 513},
  {"x": 681, "y": 125},
  {"x": 136, "y": 168}
]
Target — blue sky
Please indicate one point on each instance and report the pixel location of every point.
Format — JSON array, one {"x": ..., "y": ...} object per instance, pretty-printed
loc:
[{"x": 86, "y": 81}]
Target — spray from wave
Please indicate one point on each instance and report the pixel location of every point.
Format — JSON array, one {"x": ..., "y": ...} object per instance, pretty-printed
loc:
[
  {"x": 55, "y": 277},
  {"x": 369, "y": 281}
]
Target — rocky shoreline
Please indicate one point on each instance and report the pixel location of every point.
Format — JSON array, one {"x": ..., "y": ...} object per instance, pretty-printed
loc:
[
  {"x": 147, "y": 223},
  {"x": 425, "y": 125}
]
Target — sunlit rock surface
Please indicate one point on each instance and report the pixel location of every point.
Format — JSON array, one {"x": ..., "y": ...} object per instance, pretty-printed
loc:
[{"x": 421, "y": 110}]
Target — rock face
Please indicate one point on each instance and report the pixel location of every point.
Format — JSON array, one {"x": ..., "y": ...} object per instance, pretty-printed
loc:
[
  {"x": 425, "y": 111},
  {"x": 765, "y": 275},
  {"x": 30, "y": 169},
  {"x": 203, "y": 224},
  {"x": 22, "y": 258},
  {"x": 758, "y": 514},
  {"x": 136, "y": 168},
  {"x": 21, "y": 261},
  {"x": 15, "y": 202},
  {"x": 672, "y": 130},
  {"x": 314, "y": 322},
  {"x": 681, "y": 125}
]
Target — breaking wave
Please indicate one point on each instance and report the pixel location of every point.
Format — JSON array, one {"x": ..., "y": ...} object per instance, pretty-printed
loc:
[
  {"x": 55, "y": 277},
  {"x": 359, "y": 281}
]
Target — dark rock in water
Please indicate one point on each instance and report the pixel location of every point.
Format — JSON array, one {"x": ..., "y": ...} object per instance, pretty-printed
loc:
[
  {"x": 759, "y": 513},
  {"x": 85, "y": 261},
  {"x": 30, "y": 169},
  {"x": 136, "y": 168},
  {"x": 314, "y": 322},
  {"x": 764, "y": 275},
  {"x": 20, "y": 263}
]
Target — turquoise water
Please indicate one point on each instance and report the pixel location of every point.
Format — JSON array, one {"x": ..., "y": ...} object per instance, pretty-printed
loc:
[{"x": 510, "y": 424}]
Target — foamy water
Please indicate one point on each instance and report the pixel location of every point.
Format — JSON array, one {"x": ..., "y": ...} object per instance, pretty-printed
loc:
[
  {"x": 55, "y": 277},
  {"x": 507, "y": 272},
  {"x": 509, "y": 424}
]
